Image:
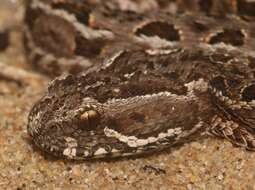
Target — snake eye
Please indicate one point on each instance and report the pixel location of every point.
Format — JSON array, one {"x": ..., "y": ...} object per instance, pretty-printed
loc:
[
  {"x": 248, "y": 93},
  {"x": 89, "y": 119}
]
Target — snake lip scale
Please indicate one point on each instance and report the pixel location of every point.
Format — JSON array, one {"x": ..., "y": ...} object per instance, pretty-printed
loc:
[{"x": 137, "y": 83}]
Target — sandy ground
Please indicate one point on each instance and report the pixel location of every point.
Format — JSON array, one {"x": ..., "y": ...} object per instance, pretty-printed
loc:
[{"x": 205, "y": 164}]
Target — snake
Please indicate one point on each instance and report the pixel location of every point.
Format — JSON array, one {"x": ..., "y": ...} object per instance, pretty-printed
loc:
[{"x": 133, "y": 81}]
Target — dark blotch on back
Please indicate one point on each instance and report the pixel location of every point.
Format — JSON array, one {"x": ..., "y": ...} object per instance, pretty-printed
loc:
[
  {"x": 248, "y": 93},
  {"x": 228, "y": 36},
  {"x": 161, "y": 29},
  {"x": 79, "y": 9},
  {"x": 246, "y": 7},
  {"x": 4, "y": 40},
  {"x": 219, "y": 83},
  {"x": 55, "y": 35}
]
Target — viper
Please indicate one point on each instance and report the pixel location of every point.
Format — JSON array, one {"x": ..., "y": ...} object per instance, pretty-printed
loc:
[{"x": 139, "y": 81}]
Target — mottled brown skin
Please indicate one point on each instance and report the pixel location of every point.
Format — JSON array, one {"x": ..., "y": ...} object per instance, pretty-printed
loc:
[
  {"x": 58, "y": 114},
  {"x": 147, "y": 79},
  {"x": 53, "y": 33}
]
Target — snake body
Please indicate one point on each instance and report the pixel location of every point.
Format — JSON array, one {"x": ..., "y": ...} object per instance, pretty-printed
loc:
[{"x": 138, "y": 82}]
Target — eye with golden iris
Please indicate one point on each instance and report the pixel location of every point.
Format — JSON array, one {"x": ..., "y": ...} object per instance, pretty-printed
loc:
[{"x": 89, "y": 119}]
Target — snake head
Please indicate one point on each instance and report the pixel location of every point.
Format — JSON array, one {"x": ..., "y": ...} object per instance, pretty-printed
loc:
[{"x": 73, "y": 122}]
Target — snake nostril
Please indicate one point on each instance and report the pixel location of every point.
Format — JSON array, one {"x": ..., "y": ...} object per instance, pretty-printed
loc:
[
  {"x": 248, "y": 93},
  {"x": 161, "y": 29}
]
